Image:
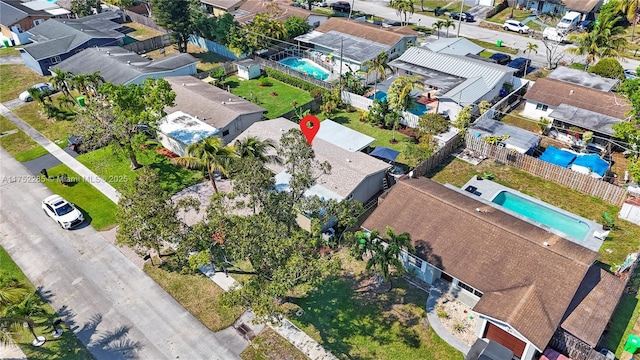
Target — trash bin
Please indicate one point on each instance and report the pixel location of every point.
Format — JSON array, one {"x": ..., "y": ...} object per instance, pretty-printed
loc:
[
  {"x": 499, "y": 43},
  {"x": 632, "y": 344},
  {"x": 6, "y": 43},
  {"x": 80, "y": 100}
]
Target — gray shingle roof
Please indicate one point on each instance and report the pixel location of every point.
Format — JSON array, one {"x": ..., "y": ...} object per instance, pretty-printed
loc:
[
  {"x": 12, "y": 11},
  {"x": 583, "y": 78},
  {"x": 348, "y": 169},
  {"x": 59, "y": 36},
  {"x": 120, "y": 66},
  {"x": 518, "y": 137},
  {"x": 209, "y": 103}
]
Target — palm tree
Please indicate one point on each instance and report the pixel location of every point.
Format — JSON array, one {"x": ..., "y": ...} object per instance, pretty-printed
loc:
[
  {"x": 437, "y": 26},
  {"x": 80, "y": 82},
  {"x": 60, "y": 81},
  {"x": 448, "y": 23},
  {"x": 208, "y": 154},
  {"x": 399, "y": 94},
  {"x": 94, "y": 80},
  {"x": 387, "y": 251},
  {"x": 631, "y": 9},
  {"x": 24, "y": 312},
  {"x": 378, "y": 65},
  {"x": 402, "y": 8},
  {"x": 252, "y": 147},
  {"x": 530, "y": 47},
  {"x": 605, "y": 40}
]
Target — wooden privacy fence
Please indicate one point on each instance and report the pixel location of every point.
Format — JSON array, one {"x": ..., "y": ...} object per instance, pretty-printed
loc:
[
  {"x": 151, "y": 44},
  {"x": 563, "y": 176},
  {"x": 144, "y": 20},
  {"x": 437, "y": 157}
]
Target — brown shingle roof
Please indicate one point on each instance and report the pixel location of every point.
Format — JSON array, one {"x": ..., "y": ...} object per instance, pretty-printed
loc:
[
  {"x": 227, "y": 5},
  {"x": 388, "y": 36},
  {"x": 592, "y": 305},
  {"x": 250, "y": 8},
  {"x": 583, "y": 6},
  {"x": 524, "y": 283},
  {"x": 554, "y": 92}
]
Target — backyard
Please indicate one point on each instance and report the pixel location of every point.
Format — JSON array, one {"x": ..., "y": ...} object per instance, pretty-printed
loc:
[
  {"x": 208, "y": 59},
  {"x": 66, "y": 346}
]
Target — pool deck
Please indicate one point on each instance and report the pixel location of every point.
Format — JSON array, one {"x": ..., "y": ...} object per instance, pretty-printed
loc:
[{"x": 487, "y": 190}]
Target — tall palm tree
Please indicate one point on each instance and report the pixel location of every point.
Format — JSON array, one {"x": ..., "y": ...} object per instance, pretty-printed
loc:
[
  {"x": 24, "y": 312},
  {"x": 387, "y": 254},
  {"x": 209, "y": 154},
  {"x": 378, "y": 65},
  {"x": 605, "y": 40},
  {"x": 80, "y": 83},
  {"x": 631, "y": 8},
  {"x": 531, "y": 47},
  {"x": 94, "y": 80},
  {"x": 252, "y": 147},
  {"x": 437, "y": 26},
  {"x": 448, "y": 23},
  {"x": 403, "y": 8},
  {"x": 60, "y": 81},
  {"x": 399, "y": 94}
]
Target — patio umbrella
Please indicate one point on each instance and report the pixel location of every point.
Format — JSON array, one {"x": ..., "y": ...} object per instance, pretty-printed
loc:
[{"x": 385, "y": 153}]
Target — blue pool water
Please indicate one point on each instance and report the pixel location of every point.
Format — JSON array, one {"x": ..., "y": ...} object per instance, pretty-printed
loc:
[
  {"x": 306, "y": 67},
  {"x": 417, "y": 109},
  {"x": 542, "y": 214}
]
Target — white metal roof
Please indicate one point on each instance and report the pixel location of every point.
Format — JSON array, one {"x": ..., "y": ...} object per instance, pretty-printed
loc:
[
  {"x": 185, "y": 128},
  {"x": 454, "y": 46},
  {"x": 340, "y": 135}
]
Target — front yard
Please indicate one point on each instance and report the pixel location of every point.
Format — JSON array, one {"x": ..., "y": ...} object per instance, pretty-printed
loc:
[
  {"x": 16, "y": 79},
  {"x": 56, "y": 131},
  {"x": 17, "y": 143}
]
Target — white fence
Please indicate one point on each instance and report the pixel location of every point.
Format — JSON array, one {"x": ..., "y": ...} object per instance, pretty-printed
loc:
[{"x": 363, "y": 103}]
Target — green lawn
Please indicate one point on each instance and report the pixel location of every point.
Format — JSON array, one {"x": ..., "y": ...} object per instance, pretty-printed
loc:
[
  {"x": 141, "y": 32},
  {"x": 505, "y": 14},
  {"x": 277, "y": 99},
  {"x": 9, "y": 51},
  {"x": 518, "y": 120},
  {"x": 198, "y": 294},
  {"x": 430, "y": 5},
  {"x": 623, "y": 323},
  {"x": 208, "y": 60},
  {"x": 269, "y": 345},
  {"x": 493, "y": 47},
  {"x": 354, "y": 323},
  {"x": 19, "y": 144},
  {"x": 99, "y": 211},
  {"x": 114, "y": 168},
  {"x": 56, "y": 131},
  {"x": 16, "y": 79},
  {"x": 65, "y": 347}
]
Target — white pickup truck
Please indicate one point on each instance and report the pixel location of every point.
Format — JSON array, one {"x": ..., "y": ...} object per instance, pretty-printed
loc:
[{"x": 554, "y": 34}]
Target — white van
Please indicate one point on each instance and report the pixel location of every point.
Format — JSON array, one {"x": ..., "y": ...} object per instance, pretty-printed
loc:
[
  {"x": 554, "y": 34},
  {"x": 569, "y": 21}
]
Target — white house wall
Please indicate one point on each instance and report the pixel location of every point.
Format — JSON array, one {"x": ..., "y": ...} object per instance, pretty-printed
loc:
[
  {"x": 529, "y": 350},
  {"x": 530, "y": 110}
]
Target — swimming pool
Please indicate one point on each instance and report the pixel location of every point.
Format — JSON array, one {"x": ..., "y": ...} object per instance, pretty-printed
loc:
[
  {"x": 305, "y": 66},
  {"x": 538, "y": 212},
  {"x": 417, "y": 109}
]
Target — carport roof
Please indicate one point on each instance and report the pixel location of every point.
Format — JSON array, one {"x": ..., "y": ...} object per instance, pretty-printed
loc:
[
  {"x": 585, "y": 119},
  {"x": 353, "y": 47},
  {"x": 342, "y": 136},
  {"x": 519, "y": 138}
]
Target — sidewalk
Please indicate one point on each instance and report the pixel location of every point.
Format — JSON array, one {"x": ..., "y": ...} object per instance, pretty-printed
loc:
[
  {"x": 61, "y": 155},
  {"x": 11, "y": 352}
]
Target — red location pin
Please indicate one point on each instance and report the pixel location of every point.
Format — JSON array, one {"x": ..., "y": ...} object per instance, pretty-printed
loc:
[{"x": 310, "y": 126}]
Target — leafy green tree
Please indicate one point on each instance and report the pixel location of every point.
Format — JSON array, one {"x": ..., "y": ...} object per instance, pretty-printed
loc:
[
  {"x": 177, "y": 16},
  {"x": 130, "y": 116},
  {"x": 82, "y": 8},
  {"x": 208, "y": 154},
  {"x": 296, "y": 26},
  {"x": 264, "y": 29},
  {"x": 252, "y": 180},
  {"x": 378, "y": 112},
  {"x": 27, "y": 310},
  {"x": 404, "y": 9},
  {"x": 399, "y": 94},
  {"x": 437, "y": 26},
  {"x": 609, "y": 68},
  {"x": 252, "y": 147},
  {"x": 214, "y": 28},
  {"x": 631, "y": 89},
  {"x": 631, "y": 9},
  {"x": 146, "y": 217},
  {"x": 432, "y": 123},
  {"x": 385, "y": 256},
  {"x": 415, "y": 154},
  {"x": 463, "y": 121},
  {"x": 605, "y": 40},
  {"x": 378, "y": 65}
]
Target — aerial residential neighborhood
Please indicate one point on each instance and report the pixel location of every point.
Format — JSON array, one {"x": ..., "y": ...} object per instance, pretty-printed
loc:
[{"x": 374, "y": 179}]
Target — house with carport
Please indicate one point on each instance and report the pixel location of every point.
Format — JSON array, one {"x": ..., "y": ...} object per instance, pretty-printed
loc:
[
  {"x": 575, "y": 98},
  {"x": 228, "y": 114},
  {"x": 527, "y": 287},
  {"x": 123, "y": 67}
]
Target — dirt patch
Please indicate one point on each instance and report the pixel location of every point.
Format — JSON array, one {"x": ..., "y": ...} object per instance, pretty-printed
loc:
[{"x": 457, "y": 319}]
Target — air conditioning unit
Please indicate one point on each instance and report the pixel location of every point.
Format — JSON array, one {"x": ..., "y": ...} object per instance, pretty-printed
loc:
[{"x": 501, "y": 144}]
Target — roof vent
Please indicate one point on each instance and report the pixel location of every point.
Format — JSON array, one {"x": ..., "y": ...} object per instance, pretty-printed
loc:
[
  {"x": 108, "y": 53},
  {"x": 128, "y": 62},
  {"x": 223, "y": 103},
  {"x": 545, "y": 243},
  {"x": 348, "y": 160},
  {"x": 570, "y": 92}
]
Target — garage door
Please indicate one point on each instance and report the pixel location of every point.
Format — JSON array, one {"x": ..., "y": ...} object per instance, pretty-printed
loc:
[{"x": 495, "y": 333}]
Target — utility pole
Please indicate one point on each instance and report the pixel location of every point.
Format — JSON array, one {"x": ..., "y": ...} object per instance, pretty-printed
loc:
[
  {"x": 340, "y": 72},
  {"x": 460, "y": 17}
]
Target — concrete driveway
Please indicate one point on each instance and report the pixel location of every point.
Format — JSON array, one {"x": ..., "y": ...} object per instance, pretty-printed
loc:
[
  {"x": 10, "y": 60},
  {"x": 114, "y": 308}
]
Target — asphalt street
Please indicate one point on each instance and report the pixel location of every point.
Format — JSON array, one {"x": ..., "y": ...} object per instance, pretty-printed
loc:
[{"x": 114, "y": 308}]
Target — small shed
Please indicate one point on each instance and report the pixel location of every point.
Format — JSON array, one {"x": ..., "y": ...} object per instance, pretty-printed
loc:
[
  {"x": 179, "y": 130},
  {"x": 520, "y": 140},
  {"x": 248, "y": 69}
]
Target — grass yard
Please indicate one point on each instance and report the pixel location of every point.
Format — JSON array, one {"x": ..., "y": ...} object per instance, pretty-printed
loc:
[
  {"x": 198, "y": 294},
  {"x": 430, "y": 5},
  {"x": 18, "y": 144},
  {"x": 56, "y": 131},
  {"x": 360, "y": 324},
  {"x": 623, "y": 322},
  {"x": 98, "y": 210},
  {"x": 269, "y": 345},
  {"x": 115, "y": 169},
  {"x": 505, "y": 14},
  {"x": 493, "y": 47},
  {"x": 141, "y": 32},
  {"x": 9, "y": 51},
  {"x": 16, "y": 79},
  {"x": 515, "y": 119},
  {"x": 65, "y": 347},
  {"x": 208, "y": 60},
  {"x": 277, "y": 99}
]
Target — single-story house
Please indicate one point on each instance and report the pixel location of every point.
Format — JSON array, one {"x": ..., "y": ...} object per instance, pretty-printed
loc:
[
  {"x": 524, "y": 284},
  {"x": 357, "y": 42},
  {"x": 588, "y": 8},
  {"x": 250, "y": 8},
  {"x": 573, "y": 97},
  {"x": 16, "y": 18},
  {"x": 458, "y": 81},
  {"x": 221, "y": 7},
  {"x": 179, "y": 130},
  {"x": 354, "y": 175},
  {"x": 453, "y": 46},
  {"x": 343, "y": 137},
  {"x": 520, "y": 140},
  {"x": 248, "y": 69},
  {"x": 120, "y": 66},
  {"x": 218, "y": 108},
  {"x": 56, "y": 40}
]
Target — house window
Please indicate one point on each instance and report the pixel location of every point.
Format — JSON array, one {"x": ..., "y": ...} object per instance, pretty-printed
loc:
[
  {"x": 55, "y": 59},
  {"x": 37, "y": 22},
  {"x": 393, "y": 51},
  {"x": 542, "y": 107},
  {"x": 225, "y": 133},
  {"x": 465, "y": 286},
  {"x": 414, "y": 261}
]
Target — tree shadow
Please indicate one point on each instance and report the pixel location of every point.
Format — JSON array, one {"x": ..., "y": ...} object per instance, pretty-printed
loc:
[{"x": 341, "y": 119}]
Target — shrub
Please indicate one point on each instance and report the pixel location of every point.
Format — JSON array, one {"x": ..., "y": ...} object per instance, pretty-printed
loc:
[
  {"x": 291, "y": 80},
  {"x": 459, "y": 327},
  {"x": 609, "y": 68},
  {"x": 443, "y": 314},
  {"x": 263, "y": 81},
  {"x": 316, "y": 93}
]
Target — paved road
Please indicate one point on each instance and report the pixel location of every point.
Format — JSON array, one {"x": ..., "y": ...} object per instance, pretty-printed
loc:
[{"x": 112, "y": 306}]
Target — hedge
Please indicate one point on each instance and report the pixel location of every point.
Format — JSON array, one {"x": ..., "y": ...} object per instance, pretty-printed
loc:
[{"x": 291, "y": 80}]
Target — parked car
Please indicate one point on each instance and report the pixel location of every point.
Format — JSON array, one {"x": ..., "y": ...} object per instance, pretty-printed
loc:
[
  {"x": 554, "y": 34},
  {"x": 41, "y": 87},
  {"x": 630, "y": 74},
  {"x": 62, "y": 211},
  {"x": 520, "y": 64},
  {"x": 514, "y": 25},
  {"x": 500, "y": 58},
  {"x": 439, "y": 11},
  {"x": 464, "y": 15},
  {"x": 340, "y": 6},
  {"x": 322, "y": 4},
  {"x": 586, "y": 25}
]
